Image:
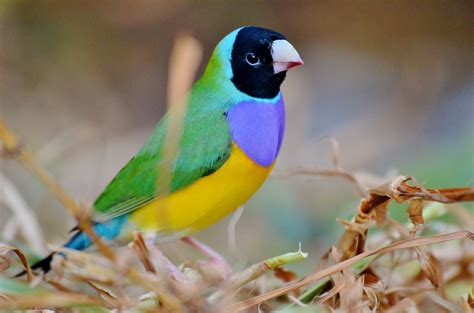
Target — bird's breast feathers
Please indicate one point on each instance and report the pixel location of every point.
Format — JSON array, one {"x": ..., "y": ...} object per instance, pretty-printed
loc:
[{"x": 257, "y": 130}]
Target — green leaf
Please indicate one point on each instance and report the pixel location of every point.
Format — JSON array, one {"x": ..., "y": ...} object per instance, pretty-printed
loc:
[{"x": 11, "y": 286}]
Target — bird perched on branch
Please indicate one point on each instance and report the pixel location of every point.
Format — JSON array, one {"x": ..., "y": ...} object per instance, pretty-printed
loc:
[{"x": 231, "y": 134}]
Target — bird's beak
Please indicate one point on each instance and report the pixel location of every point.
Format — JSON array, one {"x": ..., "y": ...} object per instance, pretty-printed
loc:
[{"x": 284, "y": 56}]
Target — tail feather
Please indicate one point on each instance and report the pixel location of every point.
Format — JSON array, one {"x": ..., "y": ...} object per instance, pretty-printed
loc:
[
  {"x": 43, "y": 265},
  {"x": 81, "y": 241}
]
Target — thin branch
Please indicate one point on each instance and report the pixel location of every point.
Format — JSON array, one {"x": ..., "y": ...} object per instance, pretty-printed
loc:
[
  {"x": 314, "y": 171},
  {"x": 13, "y": 147},
  {"x": 255, "y": 271}
]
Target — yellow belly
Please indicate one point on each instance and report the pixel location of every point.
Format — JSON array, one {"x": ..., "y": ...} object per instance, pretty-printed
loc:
[{"x": 206, "y": 201}]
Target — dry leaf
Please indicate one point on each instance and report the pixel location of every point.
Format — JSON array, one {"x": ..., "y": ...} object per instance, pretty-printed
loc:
[
  {"x": 470, "y": 300},
  {"x": 372, "y": 280},
  {"x": 4, "y": 249},
  {"x": 403, "y": 244},
  {"x": 353, "y": 227},
  {"x": 415, "y": 212},
  {"x": 430, "y": 267},
  {"x": 285, "y": 275},
  {"x": 352, "y": 295},
  {"x": 380, "y": 215}
]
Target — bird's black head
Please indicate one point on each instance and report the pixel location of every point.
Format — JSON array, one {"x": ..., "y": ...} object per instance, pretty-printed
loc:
[{"x": 260, "y": 59}]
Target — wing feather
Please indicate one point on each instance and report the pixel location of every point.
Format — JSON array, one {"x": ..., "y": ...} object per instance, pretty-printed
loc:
[{"x": 204, "y": 146}]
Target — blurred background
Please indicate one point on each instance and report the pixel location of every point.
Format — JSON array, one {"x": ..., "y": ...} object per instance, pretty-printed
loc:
[{"x": 84, "y": 82}]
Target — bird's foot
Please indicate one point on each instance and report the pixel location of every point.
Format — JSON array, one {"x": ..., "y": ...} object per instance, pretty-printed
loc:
[
  {"x": 171, "y": 269},
  {"x": 216, "y": 267}
]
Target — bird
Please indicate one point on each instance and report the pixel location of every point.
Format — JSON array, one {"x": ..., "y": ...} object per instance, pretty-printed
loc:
[{"x": 231, "y": 135}]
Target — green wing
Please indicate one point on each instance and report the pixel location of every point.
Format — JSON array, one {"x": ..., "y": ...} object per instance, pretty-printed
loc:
[{"x": 204, "y": 146}]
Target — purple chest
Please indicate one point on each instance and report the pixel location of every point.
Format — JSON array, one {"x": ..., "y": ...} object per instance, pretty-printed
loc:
[{"x": 258, "y": 128}]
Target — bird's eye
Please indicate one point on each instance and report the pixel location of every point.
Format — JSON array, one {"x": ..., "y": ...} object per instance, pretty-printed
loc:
[{"x": 252, "y": 59}]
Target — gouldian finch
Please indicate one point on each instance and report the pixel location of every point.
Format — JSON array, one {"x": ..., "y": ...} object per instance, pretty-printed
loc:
[{"x": 231, "y": 135}]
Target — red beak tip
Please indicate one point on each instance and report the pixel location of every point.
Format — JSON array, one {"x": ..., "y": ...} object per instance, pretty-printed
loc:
[{"x": 296, "y": 63}]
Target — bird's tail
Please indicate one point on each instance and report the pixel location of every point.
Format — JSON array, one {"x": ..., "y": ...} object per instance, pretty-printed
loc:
[
  {"x": 43, "y": 265},
  {"x": 81, "y": 241}
]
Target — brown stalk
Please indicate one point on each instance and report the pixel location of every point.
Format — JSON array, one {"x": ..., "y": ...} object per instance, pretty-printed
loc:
[
  {"x": 338, "y": 170},
  {"x": 48, "y": 300},
  {"x": 184, "y": 62},
  {"x": 4, "y": 249},
  {"x": 327, "y": 173},
  {"x": 105, "y": 294},
  {"x": 13, "y": 147},
  {"x": 140, "y": 246}
]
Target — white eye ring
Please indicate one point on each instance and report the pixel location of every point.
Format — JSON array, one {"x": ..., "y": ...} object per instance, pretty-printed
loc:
[{"x": 252, "y": 59}]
